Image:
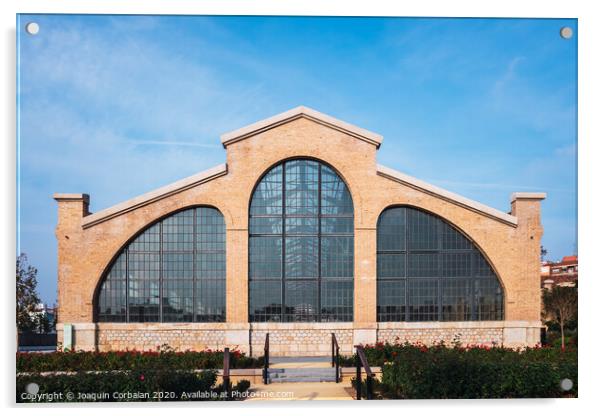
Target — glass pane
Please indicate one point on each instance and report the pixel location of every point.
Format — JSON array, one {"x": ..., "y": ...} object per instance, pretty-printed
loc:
[
  {"x": 391, "y": 265},
  {"x": 337, "y": 257},
  {"x": 301, "y": 257},
  {"x": 456, "y": 264},
  {"x": 423, "y": 230},
  {"x": 265, "y": 257},
  {"x": 301, "y": 298},
  {"x": 455, "y": 299},
  {"x": 336, "y": 199},
  {"x": 392, "y": 230},
  {"x": 211, "y": 300},
  {"x": 177, "y": 300},
  {"x": 265, "y": 225},
  {"x": 489, "y": 302},
  {"x": 423, "y": 265},
  {"x": 301, "y": 177},
  {"x": 302, "y": 225},
  {"x": 267, "y": 198},
  {"x": 423, "y": 300},
  {"x": 265, "y": 301},
  {"x": 337, "y": 225},
  {"x": 178, "y": 232},
  {"x": 391, "y": 300},
  {"x": 337, "y": 300},
  {"x": 452, "y": 239}
]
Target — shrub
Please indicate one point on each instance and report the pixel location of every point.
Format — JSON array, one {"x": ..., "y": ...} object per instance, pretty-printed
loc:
[
  {"x": 124, "y": 386},
  {"x": 440, "y": 372},
  {"x": 128, "y": 360}
]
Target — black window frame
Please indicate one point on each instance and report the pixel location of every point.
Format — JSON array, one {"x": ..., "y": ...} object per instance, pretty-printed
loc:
[
  {"x": 339, "y": 308},
  {"x": 432, "y": 260},
  {"x": 188, "y": 276}
]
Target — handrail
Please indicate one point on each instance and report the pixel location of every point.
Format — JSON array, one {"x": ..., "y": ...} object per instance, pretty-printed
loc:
[
  {"x": 334, "y": 347},
  {"x": 361, "y": 361},
  {"x": 226, "y": 374},
  {"x": 266, "y": 358}
]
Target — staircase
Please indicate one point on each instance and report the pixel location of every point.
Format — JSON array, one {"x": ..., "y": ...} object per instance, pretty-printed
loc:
[{"x": 301, "y": 370}]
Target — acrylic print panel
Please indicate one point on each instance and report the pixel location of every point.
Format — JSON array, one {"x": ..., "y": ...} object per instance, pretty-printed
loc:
[{"x": 249, "y": 208}]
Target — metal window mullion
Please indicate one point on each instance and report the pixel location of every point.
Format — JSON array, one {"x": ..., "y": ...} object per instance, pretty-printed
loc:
[
  {"x": 161, "y": 271},
  {"x": 127, "y": 285},
  {"x": 319, "y": 243},
  {"x": 194, "y": 258},
  {"x": 283, "y": 247},
  {"x": 439, "y": 254},
  {"x": 407, "y": 260}
]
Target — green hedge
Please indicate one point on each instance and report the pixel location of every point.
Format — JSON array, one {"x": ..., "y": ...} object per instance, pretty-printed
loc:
[
  {"x": 123, "y": 386},
  {"x": 129, "y": 360},
  {"x": 440, "y": 372}
]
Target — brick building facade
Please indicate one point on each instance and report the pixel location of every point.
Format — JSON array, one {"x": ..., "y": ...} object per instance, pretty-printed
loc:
[{"x": 110, "y": 298}]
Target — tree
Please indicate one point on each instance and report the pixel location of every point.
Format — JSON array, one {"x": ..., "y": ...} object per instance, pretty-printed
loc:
[
  {"x": 27, "y": 297},
  {"x": 561, "y": 303}
]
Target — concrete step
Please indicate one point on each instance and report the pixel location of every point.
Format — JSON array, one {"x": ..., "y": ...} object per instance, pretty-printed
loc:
[
  {"x": 301, "y": 370},
  {"x": 307, "y": 379}
]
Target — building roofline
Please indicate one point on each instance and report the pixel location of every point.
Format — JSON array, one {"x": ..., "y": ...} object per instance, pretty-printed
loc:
[
  {"x": 301, "y": 112},
  {"x": 153, "y": 196},
  {"x": 446, "y": 195}
]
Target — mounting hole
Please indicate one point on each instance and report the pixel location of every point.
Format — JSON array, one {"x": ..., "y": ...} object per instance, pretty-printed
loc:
[
  {"x": 32, "y": 28},
  {"x": 566, "y": 32}
]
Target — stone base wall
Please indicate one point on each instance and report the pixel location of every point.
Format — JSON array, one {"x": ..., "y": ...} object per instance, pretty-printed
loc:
[
  {"x": 506, "y": 333},
  {"x": 301, "y": 339},
  {"x": 429, "y": 336},
  {"x": 146, "y": 337},
  {"x": 293, "y": 339}
]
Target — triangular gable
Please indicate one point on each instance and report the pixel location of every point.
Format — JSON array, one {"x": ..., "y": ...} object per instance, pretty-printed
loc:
[{"x": 296, "y": 113}]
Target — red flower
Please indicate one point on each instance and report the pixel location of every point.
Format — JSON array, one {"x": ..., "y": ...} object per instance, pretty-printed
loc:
[{"x": 141, "y": 377}]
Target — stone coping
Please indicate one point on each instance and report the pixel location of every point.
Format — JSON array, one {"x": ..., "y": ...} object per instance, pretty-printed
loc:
[
  {"x": 301, "y": 112},
  {"x": 279, "y": 326},
  {"x": 528, "y": 195},
  {"x": 460, "y": 325},
  {"x": 446, "y": 195},
  {"x": 275, "y": 326},
  {"x": 155, "y": 195},
  {"x": 71, "y": 197},
  {"x": 171, "y": 326}
]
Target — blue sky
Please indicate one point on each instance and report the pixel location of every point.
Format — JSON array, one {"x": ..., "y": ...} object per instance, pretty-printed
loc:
[{"x": 116, "y": 106}]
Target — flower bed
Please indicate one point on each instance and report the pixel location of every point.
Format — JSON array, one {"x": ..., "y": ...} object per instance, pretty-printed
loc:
[
  {"x": 128, "y": 360},
  {"x": 415, "y": 371},
  {"x": 120, "y": 386}
]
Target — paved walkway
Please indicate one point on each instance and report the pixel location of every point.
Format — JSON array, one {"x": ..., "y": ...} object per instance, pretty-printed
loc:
[{"x": 299, "y": 391}]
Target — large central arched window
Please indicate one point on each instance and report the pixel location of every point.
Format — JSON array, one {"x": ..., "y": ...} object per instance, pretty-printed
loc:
[
  {"x": 428, "y": 271},
  {"x": 174, "y": 271},
  {"x": 301, "y": 245}
]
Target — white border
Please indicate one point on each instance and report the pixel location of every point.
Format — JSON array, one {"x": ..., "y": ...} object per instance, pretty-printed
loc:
[{"x": 590, "y": 66}]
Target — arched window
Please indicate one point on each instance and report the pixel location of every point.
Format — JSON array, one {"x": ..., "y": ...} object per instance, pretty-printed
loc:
[
  {"x": 301, "y": 245},
  {"x": 428, "y": 271},
  {"x": 174, "y": 271}
]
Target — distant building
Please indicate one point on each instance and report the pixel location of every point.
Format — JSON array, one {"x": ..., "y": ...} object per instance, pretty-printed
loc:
[
  {"x": 49, "y": 313},
  {"x": 562, "y": 273}
]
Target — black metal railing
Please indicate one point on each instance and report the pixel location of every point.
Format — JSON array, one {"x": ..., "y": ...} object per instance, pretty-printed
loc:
[
  {"x": 334, "y": 347},
  {"x": 226, "y": 374},
  {"x": 266, "y": 359},
  {"x": 361, "y": 361}
]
